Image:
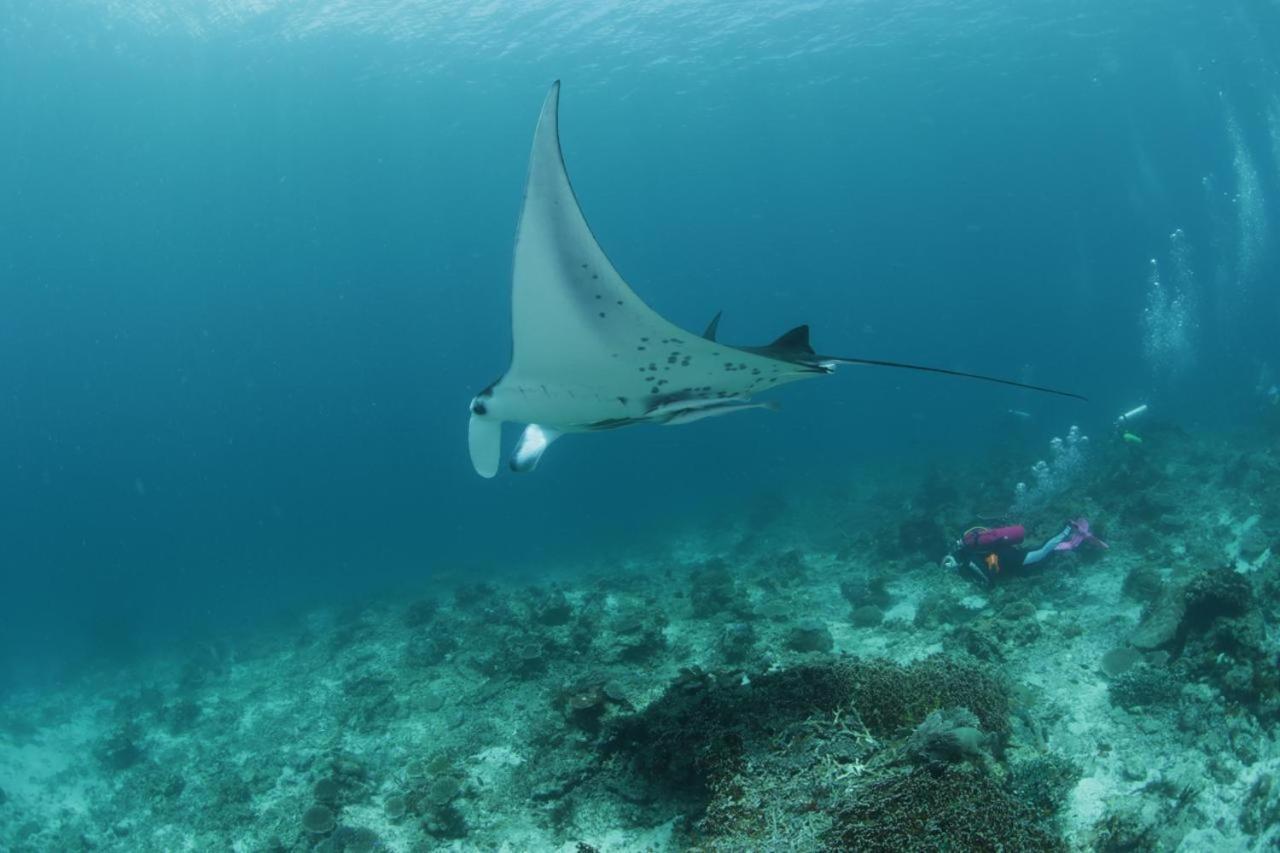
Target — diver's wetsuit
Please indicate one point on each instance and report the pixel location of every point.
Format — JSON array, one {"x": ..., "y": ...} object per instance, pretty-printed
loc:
[{"x": 988, "y": 565}]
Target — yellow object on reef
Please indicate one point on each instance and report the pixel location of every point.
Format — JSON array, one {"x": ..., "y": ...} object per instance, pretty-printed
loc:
[{"x": 1132, "y": 439}]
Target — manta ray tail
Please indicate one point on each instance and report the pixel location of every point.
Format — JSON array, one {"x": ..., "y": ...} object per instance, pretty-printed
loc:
[
  {"x": 794, "y": 346},
  {"x": 876, "y": 362}
]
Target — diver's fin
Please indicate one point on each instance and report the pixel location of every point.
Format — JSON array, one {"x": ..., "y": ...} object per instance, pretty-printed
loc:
[
  {"x": 484, "y": 437},
  {"x": 710, "y": 333},
  {"x": 534, "y": 442},
  {"x": 875, "y": 362}
]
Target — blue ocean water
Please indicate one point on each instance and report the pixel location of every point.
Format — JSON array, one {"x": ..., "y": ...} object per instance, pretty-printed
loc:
[{"x": 255, "y": 257}]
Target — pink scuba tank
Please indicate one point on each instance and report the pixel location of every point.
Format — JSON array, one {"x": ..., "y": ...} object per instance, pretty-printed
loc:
[{"x": 987, "y": 538}]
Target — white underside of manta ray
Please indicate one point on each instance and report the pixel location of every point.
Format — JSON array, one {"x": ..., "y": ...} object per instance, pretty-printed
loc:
[{"x": 589, "y": 355}]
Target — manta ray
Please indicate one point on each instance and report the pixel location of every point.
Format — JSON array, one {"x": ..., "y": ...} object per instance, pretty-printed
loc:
[{"x": 588, "y": 354}]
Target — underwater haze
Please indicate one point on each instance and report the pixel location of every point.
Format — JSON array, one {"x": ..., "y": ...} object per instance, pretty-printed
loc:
[{"x": 255, "y": 260}]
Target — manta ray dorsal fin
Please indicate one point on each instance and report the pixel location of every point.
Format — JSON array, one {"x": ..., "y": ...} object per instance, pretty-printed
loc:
[
  {"x": 574, "y": 319},
  {"x": 712, "y": 327},
  {"x": 793, "y": 341}
]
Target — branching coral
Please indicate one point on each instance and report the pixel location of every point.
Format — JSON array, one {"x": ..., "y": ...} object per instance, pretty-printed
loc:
[
  {"x": 782, "y": 747},
  {"x": 889, "y": 697},
  {"x": 1144, "y": 686},
  {"x": 1043, "y": 781},
  {"x": 954, "y": 807}
]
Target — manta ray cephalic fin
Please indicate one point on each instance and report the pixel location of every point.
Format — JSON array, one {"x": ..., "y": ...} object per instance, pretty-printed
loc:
[{"x": 484, "y": 440}]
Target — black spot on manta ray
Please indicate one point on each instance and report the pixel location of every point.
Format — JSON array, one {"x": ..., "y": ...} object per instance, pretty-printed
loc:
[
  {"x": 601, "y": 313},
  {"x": 622, "y": 400},
  {"x": 599, "y": 296},
  {"x": 594, "y": 276}
]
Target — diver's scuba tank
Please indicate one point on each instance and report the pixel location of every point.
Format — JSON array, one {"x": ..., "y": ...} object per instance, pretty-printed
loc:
[
  {"x": 987, "y": 538},
  {"x": 1122, "y": 425},
  {"x": 1136, "y": 412}
]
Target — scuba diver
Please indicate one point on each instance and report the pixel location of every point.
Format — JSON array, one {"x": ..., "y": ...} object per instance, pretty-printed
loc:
[{"x": 990, "y": 554}]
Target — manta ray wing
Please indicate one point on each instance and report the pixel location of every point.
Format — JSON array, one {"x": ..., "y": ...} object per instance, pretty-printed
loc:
[
  {"x": 573, "y": 317},
  {"x": 587, "y": 351}
]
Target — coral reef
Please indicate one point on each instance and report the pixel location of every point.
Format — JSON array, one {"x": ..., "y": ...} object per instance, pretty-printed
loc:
[
  {"x": 756, "y": 753},
  {"x": 1042, "y": 782},
  {"x": 939, "y": 809},
  {"x": 1119, "y": 661},
  {"x": 1215, "y": 632},
  {"x": 1145, "y": 686},
  {"x": 802, "y": 677}
]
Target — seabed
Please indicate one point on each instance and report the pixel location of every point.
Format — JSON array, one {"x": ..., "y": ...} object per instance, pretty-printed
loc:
[{"x": 802, "y": 677}]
